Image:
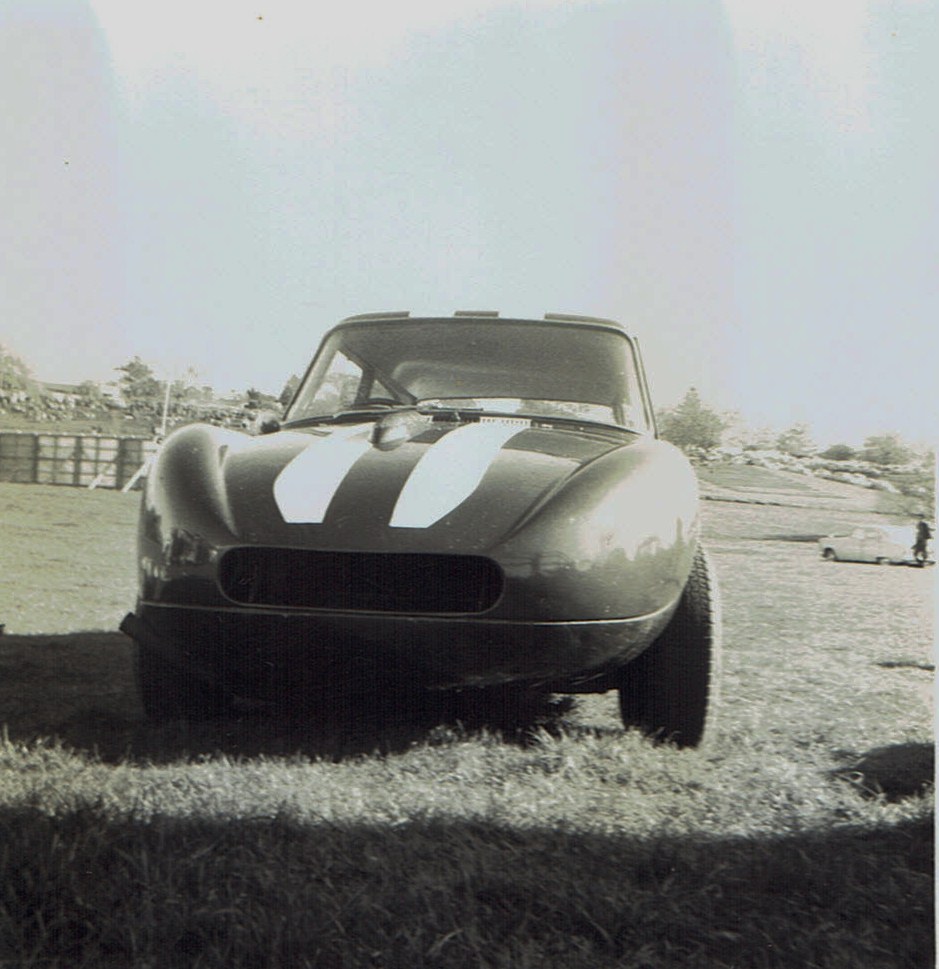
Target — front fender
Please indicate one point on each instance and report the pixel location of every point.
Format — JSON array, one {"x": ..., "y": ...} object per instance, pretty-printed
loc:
[
  {"x": 185, "y": 514},
  {"x": 615, "y": 541}
]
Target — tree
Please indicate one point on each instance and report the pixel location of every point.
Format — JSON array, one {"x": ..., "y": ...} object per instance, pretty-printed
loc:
[
  {"x": 90, "y": 393},
  {"x": 139, "y": 385},
  {"x": 737, "y": 433},
  {"x": 691, "y": 425},
  {"x": 290, "y": 388},
  {"x": 796, "y": 441},
  {"x": 760, "y": 439},
  {"x": 14, "y": 374},
  {"x": 886, "y": 449},
  {"x": 186, "y": 392},
  {"x": 184, "y": 389}
]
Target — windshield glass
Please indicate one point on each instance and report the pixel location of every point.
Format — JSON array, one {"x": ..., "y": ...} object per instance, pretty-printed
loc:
[{"x": 541, "y": 369}]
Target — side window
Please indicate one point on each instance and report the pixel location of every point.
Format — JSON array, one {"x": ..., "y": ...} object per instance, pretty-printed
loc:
[
  {"x": 338, "y": 388},
  {"x": 343, "y": 378},
  {"x": 378, "y": 389},
  {"x": 635, "y": 415}
]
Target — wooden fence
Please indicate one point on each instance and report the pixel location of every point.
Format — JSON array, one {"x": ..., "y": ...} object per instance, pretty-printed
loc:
[{"x": 72, "y": 459}]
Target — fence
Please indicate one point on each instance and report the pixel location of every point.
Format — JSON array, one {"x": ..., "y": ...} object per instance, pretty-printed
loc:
[{"x": 72, "y": 459}]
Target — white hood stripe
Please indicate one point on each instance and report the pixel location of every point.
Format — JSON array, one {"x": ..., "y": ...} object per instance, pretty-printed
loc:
[
  {"x": 306, "y": 486},
  {"x": 449, "y": 472}
]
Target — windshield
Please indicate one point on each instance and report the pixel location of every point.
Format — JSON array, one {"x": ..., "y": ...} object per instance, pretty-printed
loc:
[{"x": 494, "y": 366}]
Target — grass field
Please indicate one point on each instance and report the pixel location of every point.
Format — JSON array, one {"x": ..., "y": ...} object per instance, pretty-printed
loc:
[{"x": 459, "y": 833}]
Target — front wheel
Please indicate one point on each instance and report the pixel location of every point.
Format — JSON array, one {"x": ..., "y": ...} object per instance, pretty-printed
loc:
[
  {"x": 666, "y": 691},
  {"x": 168, "y": 693}
]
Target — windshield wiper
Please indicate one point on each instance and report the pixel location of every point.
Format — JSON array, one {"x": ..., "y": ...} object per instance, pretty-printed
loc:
[
  {"x": 475, "y": 408},
  {"x": 352, "y": 414},
  {"x": 571, "y": 419}
]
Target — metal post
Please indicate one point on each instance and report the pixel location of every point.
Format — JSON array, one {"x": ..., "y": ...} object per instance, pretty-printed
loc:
[{"x": 166, "y": 409}]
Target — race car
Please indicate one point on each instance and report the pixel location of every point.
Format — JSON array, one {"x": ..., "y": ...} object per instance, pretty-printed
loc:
[{"x": 452, "y": 503}]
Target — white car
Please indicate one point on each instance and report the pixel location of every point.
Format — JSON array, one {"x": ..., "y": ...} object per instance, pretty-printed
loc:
[{"x": 883, "y": 544}]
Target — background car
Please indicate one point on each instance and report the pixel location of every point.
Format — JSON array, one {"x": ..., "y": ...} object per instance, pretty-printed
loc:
[
  {"x": 883, "y": 544},
  {"x": 451, "y": 502}
]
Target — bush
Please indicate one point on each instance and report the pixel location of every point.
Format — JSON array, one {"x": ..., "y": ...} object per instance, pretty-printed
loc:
[{"x": 839, "y": 452}]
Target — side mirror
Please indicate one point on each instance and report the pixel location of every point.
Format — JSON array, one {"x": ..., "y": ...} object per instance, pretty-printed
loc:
[{"x": 267, "y": 422}]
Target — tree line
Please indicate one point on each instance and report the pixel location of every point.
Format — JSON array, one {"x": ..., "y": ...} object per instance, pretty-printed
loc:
[
  {"x": 692, "y": 425},
  {"x": 137, "y": 385},
  {"x": 699, "y": 429}
]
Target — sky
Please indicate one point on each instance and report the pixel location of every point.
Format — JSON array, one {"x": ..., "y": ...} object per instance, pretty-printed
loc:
[{"x": 749, "y": 186}]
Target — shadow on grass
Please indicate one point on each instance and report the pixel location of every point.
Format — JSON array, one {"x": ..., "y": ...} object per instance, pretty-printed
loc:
[
  {"x": 894, "y": 772},
  {"x": 86, "y": 890},
  {"x": 339, "y": 728},
  {"x": 80, "y": 689}
]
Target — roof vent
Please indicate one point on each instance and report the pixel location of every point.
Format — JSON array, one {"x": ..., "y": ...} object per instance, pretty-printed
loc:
[
  {"x": 394, "y": 315},
  {"x": 574, "y": 318}
]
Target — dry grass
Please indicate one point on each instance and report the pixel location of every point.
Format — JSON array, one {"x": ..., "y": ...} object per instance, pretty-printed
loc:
[
  {"x": 462, "y": 833},
  {"x": 66, "y": 558}
]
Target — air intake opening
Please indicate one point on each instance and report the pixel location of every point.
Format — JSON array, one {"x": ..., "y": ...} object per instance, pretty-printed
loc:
[{"x": 360, "y": 581}]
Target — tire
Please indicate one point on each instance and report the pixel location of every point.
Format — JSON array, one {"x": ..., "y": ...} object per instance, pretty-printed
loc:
[
  {"x": 667, "y": 690},
  {"x": 883, "y": 560},
  {"x": 829, "y": 554},
  {"x": 168, "y": 693}
]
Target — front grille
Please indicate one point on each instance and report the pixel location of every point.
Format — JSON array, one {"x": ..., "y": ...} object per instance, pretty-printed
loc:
[{"x": 367, "y": 581}]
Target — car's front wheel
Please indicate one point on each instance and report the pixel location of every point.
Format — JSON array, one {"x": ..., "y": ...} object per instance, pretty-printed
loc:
[
  {"x": 170, "y": 693},
  {"x": 666, "y": 691}
]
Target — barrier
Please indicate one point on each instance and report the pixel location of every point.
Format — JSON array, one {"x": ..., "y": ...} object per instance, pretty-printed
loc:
[{"x": 79, "y": 460}]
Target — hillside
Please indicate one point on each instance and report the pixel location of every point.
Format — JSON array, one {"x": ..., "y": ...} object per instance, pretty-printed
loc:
[{"x": 764, "y": 486}]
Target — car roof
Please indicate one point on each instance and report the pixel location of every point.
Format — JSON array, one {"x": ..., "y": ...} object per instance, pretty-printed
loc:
[
  {"x": 564, "y": 318},
  {"x": 897, "y": 531},
  {"x": 894, "y": 532}
]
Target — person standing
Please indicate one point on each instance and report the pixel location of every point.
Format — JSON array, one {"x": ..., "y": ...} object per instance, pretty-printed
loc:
[{"x": 921, "y": 545}]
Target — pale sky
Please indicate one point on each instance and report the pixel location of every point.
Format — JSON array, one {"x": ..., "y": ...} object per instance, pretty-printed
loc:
[{"x": 749, "y": 186}]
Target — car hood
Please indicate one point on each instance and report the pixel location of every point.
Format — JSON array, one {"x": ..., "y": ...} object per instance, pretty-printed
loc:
[{"x": 403, "y": 482}]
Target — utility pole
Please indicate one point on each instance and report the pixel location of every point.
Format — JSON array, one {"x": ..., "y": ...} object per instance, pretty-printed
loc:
[{"x": 166, "y": 410}]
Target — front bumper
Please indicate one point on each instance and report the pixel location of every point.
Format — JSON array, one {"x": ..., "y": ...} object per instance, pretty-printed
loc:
[{"x": 264, "y": 655}]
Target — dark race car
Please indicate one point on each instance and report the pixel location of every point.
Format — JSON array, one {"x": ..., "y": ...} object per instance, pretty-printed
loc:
[{"x": 451, "y": 503}]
